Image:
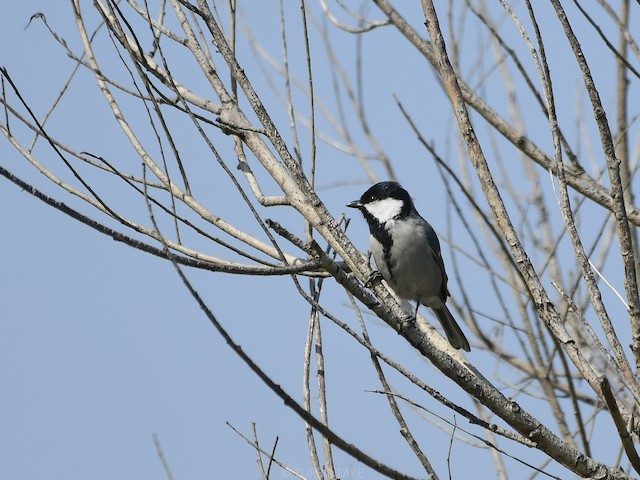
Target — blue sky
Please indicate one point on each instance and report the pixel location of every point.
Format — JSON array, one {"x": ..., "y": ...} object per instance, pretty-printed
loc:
[{"x": 101, "y": 347}]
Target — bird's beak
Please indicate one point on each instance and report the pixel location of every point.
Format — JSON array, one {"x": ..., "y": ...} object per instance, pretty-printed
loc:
[{"x": 355, "y": 204}]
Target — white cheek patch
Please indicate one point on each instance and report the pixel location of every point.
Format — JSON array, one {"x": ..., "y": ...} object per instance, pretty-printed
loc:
[{"x": 385, "y": 209}]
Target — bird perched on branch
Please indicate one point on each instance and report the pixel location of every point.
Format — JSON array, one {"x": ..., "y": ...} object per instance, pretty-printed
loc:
[{"x": 407, "y": 253}]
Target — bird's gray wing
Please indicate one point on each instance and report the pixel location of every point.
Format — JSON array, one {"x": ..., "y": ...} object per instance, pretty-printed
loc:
[{"x": 434, "y": 243}]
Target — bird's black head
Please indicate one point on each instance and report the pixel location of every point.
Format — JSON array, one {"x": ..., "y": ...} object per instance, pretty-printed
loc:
[{"x": 384, "y": 201}]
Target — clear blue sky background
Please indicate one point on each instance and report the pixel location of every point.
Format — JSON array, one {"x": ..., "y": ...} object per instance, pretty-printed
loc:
[{"x": 101, "y": 347}]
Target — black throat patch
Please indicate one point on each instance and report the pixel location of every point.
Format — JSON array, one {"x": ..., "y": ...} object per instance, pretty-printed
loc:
[{"x": 382, "y": 235}]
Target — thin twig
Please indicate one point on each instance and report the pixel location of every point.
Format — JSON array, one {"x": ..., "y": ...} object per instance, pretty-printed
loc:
[
  {"x": 404, "y": 428},
  {"x": 627, "y": 440},
  {"x": 271, "y": 458},
  {"x": 163, "y": 459},
  {"x": 263, "y": 474},
  {"x": 306, "y": 386}
]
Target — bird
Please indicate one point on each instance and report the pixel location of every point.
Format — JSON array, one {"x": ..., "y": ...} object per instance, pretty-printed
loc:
[{"x": 406, "y": 251}]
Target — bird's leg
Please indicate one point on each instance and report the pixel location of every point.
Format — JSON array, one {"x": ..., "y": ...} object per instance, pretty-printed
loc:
[
  {"x": 375, "y": 275},
  {"x": 415, "y": 315}
]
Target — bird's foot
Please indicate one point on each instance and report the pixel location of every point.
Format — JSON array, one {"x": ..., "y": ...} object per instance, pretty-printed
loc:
[{"x": 375, "y": 275}]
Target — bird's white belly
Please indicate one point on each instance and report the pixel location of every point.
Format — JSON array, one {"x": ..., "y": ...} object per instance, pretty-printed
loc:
[{"x": 414, "y": 274}]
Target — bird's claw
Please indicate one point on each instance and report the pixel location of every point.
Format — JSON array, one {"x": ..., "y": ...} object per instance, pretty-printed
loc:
[{"x": 375, "y": 275}]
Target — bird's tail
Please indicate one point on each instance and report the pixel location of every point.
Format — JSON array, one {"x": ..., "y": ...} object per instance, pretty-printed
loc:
[{"x": 451, "y": 329}]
